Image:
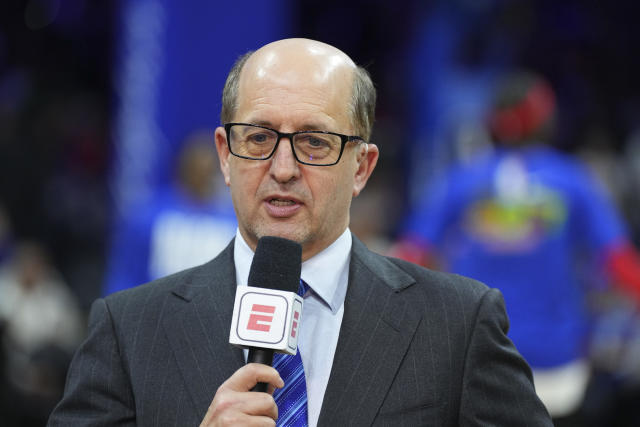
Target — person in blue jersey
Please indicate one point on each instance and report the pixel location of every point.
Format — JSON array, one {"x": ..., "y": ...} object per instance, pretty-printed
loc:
[
  {"x": 521, "y": 217},
  {"x": 183, "y": 225}
]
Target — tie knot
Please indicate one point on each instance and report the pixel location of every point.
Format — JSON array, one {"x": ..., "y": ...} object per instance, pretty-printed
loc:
[{"x": 303, "y": 288}]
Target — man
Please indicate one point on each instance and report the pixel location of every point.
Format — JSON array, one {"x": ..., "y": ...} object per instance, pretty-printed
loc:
[{"x": 383, "y": 341}]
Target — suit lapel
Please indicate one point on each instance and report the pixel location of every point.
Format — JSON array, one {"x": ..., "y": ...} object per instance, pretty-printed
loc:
[
  {"x": 377, "y": 327},
  {"x": 198, "y": 331}
]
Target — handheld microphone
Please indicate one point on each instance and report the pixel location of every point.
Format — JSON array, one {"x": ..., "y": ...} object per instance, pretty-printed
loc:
[{"x": 267, "y": 312}]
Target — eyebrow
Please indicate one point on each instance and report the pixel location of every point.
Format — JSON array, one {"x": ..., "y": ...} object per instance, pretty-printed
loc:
[{"x": 305, "y": 126}]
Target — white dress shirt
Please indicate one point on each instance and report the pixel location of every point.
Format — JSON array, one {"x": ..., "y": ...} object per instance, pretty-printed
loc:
[{"x": 327, "y": 273}]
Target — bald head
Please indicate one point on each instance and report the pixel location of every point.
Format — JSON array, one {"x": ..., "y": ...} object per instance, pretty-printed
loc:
[{"x": 292, "y": 63}]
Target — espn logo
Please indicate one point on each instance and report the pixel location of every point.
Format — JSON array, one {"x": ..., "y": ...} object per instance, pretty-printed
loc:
[
  {"x": 294, "y": 327},
  {"x": 266, "y": 318},
  {"x": 261, "y": 317},
  {"x": 293, "y": 333}
]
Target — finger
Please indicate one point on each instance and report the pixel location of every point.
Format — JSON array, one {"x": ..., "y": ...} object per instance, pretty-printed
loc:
[
  {"x": 245, "y": 378},
  {"x": 271, "y": 388},
  {"x": 245, "y": 420},
  {"x": 228, "y": 406},
  {"x": 265, "y": 421},
  {"x": 256, "y": 403},
  {"x": 239, "y": 419}
]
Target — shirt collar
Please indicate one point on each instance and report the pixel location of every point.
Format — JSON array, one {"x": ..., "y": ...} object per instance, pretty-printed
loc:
[{"x": 327, "y": 272}]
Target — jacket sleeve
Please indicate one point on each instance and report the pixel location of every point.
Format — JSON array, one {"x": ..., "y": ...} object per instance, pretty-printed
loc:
[
  {"x": 497, "y": 384},
  {"x": 97, "y": 391}
]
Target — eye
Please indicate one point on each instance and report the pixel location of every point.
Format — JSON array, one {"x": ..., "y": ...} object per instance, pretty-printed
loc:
[
  {"x": 258, "y": 137},
  {"x": 314, "y": 141}
]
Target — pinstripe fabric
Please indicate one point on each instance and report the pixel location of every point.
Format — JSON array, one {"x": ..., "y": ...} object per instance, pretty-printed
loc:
[
  {"x": 416, "y": 348},
  {"x": 292, "y": 398}
]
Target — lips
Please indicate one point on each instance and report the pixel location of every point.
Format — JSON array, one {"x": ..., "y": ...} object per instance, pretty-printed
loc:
[{"x": 281, "y": 206}]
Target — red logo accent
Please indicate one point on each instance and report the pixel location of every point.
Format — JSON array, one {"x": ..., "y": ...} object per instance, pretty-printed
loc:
[
  {"x": 294, "y": 327},
  {"x": 260, "y": 322}
]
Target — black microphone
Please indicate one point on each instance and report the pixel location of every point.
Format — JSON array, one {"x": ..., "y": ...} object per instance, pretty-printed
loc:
[{"x": 276, "y": 265}]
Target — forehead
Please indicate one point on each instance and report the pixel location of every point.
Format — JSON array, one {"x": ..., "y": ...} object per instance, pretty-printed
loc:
[{"x": 296, "y": 89}]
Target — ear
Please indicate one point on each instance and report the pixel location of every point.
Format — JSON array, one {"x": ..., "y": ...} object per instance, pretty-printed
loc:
[
  {"x": 223, "y": 153},
  {"x": 366, "y": 159}
]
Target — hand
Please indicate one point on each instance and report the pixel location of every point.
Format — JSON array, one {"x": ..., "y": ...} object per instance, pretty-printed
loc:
[{"x": 235, "y": 405}]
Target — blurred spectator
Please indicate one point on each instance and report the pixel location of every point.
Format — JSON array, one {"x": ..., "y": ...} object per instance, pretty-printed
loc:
[
  {"x": 42, "y": 326},
  {"x": 534, "y": 223},
  {"x": 183, "y": 226},
  {"x": 371, "y": 215}
]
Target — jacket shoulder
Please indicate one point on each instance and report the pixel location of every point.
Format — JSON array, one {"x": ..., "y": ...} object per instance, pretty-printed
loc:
[
  {"x": 185, "y": 284},
  {"x": 427, "y": 278},
  {"x": 400, "y": 275}
]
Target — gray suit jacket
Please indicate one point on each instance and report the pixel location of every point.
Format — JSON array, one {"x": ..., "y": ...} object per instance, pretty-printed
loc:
[{"x": 416, "y": 347}]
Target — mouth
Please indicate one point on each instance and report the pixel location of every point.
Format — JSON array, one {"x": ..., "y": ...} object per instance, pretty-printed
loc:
[
  {"x": 281, "y": 202},
  {"x": 282, "y": 207}
]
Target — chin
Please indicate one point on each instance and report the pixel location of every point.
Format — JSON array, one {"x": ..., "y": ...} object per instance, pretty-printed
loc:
[{"x": 294, "y": 234}]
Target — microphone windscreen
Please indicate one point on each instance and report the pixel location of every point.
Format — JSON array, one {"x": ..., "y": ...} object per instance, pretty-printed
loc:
[{"x": 276, "y": 264}]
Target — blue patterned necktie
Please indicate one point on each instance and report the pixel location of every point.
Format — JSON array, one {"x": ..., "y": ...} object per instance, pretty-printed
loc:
[{"x": 292, "y": 398}]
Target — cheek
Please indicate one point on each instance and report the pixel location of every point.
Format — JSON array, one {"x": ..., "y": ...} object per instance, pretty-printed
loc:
[
  {"x": 245, "y": 178},
  {"x": 243, "y": 185},
  {"x": 331, "y": 192}
]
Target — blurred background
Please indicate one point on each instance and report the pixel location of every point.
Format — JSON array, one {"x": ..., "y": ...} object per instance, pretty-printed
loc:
[{"x": 108, "y": 175}]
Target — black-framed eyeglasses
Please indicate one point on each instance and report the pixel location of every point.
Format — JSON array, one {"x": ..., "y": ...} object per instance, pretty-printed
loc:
[{"x": 312, "y": 147}]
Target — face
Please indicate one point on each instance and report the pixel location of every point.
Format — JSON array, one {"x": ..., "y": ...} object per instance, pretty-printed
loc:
[{"x": 292, "y": 88}]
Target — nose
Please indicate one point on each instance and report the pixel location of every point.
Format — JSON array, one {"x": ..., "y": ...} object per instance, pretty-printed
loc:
[{"x": 284, "y": 166}]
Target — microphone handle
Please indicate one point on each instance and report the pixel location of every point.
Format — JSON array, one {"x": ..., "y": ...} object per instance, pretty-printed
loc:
[{"x": 260, "y": 355}]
